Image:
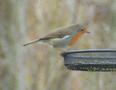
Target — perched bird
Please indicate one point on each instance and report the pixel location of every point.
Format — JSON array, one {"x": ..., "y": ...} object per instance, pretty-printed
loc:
[{"x": 63, "y": 37}]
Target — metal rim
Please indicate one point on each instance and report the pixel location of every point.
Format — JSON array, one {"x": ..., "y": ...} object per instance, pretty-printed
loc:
[{"x": 88, "y": 51}]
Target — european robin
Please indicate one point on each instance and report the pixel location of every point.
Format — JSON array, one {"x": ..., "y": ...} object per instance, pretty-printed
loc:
[{"x": 63, "y": 37}]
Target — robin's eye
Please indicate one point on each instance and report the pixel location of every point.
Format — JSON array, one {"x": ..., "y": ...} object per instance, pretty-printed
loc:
[{"x": 82, "y": 29}]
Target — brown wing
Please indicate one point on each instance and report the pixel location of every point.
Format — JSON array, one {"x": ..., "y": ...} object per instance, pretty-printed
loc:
[
  {"x": 55, "y": 35},
  {"x": 61, "y": 32}
]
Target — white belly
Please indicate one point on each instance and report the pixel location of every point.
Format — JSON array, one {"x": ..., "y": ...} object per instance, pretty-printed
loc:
[{"x": 60, "y": 42}]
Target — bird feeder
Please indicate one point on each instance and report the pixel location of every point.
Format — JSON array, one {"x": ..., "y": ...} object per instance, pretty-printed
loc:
[{"x": 90, "y": 60}]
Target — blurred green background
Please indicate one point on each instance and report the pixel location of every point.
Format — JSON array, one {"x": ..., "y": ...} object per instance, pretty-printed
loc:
[{"x": 40, "y": 67}]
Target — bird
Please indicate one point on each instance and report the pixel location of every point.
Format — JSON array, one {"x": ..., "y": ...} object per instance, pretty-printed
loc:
[{"x": 64, "y": 37}]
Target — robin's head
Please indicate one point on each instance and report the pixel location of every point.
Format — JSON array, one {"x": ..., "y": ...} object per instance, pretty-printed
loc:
[
  {"x": 79, "y": 32},
  {"x": 83, "y": 30}
]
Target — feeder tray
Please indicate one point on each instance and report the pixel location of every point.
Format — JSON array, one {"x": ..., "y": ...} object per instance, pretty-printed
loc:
[{"x": 90, "y": 60}]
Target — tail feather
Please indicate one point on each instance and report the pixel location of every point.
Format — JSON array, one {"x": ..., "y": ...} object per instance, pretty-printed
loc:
[{"x": 31, "y": 42}]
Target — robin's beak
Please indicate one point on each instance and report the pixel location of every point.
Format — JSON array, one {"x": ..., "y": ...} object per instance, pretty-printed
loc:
[{"x": 87, "y": 32}]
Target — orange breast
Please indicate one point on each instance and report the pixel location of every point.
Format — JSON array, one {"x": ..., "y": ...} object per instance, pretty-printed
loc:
[{"x": 75, "y": 38}]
